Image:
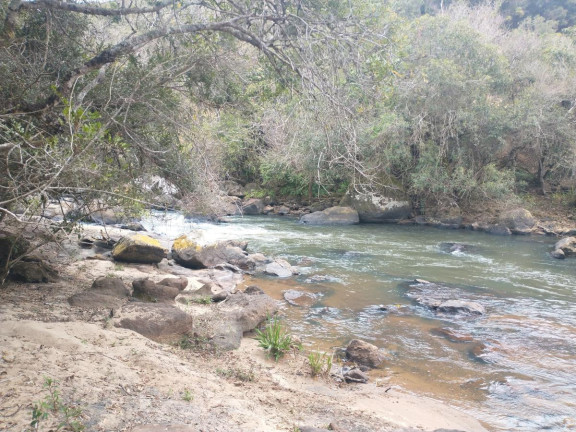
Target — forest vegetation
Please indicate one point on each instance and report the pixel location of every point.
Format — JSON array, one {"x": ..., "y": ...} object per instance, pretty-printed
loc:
[{"x": 448, "y": 102}]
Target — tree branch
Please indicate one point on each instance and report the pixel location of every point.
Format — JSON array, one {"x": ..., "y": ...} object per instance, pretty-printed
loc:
[{"x": 91, "y": 10}]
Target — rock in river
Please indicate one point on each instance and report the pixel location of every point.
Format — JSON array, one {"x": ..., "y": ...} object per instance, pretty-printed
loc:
[
  {"x": 299, "y": 298},
  {"x": 564, "y": 248},
  {"x": 280, "y": 268},
  {"x": 444, "y": 299},
  {"x": 365, "y": 353}
]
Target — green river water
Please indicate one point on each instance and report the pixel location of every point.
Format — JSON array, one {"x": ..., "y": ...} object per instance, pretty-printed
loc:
[{"x": 517, "y": 369}]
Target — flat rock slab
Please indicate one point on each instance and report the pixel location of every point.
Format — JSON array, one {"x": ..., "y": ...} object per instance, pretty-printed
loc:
[
  {"x": 442, "y": 298},
  {"x": 461, "y": 306},
  {"x": 105, "y": 293},
  {"x": 95, "y": 300},
  {"x": 157, "y": 321}
]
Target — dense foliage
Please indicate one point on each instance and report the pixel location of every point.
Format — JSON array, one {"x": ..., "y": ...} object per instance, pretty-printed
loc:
[{"x": 448, "y": 102}]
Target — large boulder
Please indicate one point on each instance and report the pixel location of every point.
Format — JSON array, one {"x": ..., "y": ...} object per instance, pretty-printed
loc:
[
  {"x": 365, "y": 354},
  {"x": 372, "y": 207},
  {"x": 518, "y": 221},
  {"x": 254, "y": 206},
  {"x": 498, "y": 229},
  {"x": 105, "y": 293},
  {"x": 33, "y": 270},
  {"x": 190, "y": 253},
  {"x": 160, "y": 322},
  {"x": 564, "y": 248},
  {"x": 332, "y": 216},
  {"x": 139, "y": 248},
  {"x": 58, "y": 210},
  {"x": 224, "y": 323},
  {"x": 108, "y": 216}
]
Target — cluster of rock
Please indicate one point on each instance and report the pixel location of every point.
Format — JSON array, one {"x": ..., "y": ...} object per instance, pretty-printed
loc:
[
  {"x": 564, "y": 248},
  {"x": 359, "y": 358},
  {"x": 202, "y": 304},
  {"x": 157, "y": 310}
]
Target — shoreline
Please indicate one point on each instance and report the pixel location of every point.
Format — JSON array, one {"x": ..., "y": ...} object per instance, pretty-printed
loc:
[{"x": 120, "y": 379}]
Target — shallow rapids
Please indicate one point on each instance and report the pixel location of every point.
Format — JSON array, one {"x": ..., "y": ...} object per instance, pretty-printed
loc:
[{"x": 514, "y": 368}]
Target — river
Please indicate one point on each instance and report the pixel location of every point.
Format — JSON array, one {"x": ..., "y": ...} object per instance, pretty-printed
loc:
[{"x": 516, "y": 371}]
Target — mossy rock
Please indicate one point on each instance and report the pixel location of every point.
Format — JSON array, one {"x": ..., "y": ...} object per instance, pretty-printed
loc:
[
  {"x": 139, "y": 248},
  {"x": 185, "y": 242}
]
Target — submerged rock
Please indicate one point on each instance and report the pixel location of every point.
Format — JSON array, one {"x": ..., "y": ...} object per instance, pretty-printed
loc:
[
  {"x": 450, "y": 247},
  {"x": 299, "y": 298},
  {"x": 451, "y": 335},
  {"x": 461, "y": 306},
  {"x": 443, "y": 298},
  {"x": 332, "y": 216},
  {"x": 139, "y": 248}
]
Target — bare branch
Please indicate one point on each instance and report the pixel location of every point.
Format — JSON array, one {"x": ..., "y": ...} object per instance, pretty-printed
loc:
[{"x": 91, "y": 10}]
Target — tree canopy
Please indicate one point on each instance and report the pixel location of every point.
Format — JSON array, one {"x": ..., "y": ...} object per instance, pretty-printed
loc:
[{"x": 449, "y": 103}]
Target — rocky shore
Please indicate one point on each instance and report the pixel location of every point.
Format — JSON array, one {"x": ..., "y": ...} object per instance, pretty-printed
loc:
[{"x": 138, "y": 332}]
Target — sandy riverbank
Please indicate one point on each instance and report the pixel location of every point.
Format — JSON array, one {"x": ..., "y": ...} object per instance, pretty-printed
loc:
[{"x": 119, "y": 379}]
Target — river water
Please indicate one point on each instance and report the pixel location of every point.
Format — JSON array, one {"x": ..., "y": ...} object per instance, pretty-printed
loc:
[{"x": 516, "y": 367}]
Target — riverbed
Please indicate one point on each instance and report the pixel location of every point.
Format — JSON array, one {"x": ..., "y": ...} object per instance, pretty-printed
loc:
[{"x": 513, "y": 368}]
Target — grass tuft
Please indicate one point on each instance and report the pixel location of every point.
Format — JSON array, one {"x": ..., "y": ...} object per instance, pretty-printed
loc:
[{"x": 274, "y": 338}]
